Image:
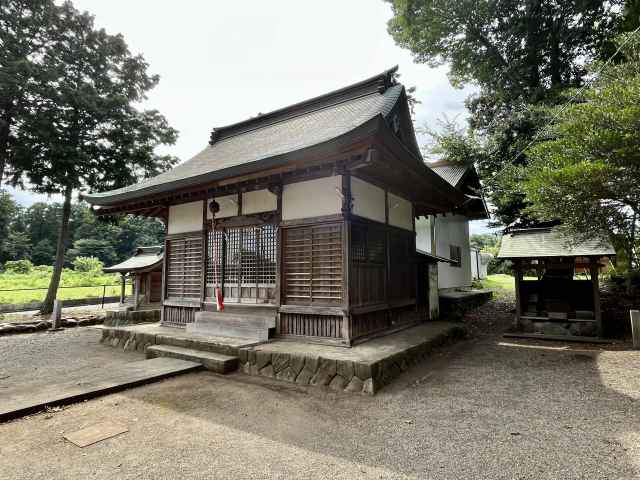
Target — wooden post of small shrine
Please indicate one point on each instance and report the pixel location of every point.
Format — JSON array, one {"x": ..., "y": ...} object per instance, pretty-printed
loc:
[
  {"x": 136, "y": 291},
  {"x": 594, "y": 268},
  {"x": 123, "y": 283},
  {"x": 635, "y": 328},
  {"x": 518, "y": 279}
]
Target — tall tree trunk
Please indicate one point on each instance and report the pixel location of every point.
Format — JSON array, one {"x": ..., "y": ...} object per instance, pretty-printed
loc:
[
  {"x": 47, "y": 305},
  {"x": 631, "y": 251},
  {"x": 4, "y": 146}
]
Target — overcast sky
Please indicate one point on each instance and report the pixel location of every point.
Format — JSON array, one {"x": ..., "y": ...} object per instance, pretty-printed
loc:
[{"x": 221, "y": 62}]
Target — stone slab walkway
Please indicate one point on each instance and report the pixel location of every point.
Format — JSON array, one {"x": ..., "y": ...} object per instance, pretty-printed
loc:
[{"x": 19, "y": 399}]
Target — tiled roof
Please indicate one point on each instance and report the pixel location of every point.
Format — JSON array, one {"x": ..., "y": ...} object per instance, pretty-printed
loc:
[
  {"x": 145, "y": 258},
  {"x": 452, "y": 172},
  {"x": 550, "y": 242},
  {"x": 283, "y": 131}
]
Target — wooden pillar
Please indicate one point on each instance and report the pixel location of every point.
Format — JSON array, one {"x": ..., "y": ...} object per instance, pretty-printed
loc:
[
  {"x": 635, "y": 328},
  {"x": 594, "y": 268},
  {"x": 136, "y": 290},
  {"x": 123, "y": 285},
  {"x": 277, "y": 191},
  {"x": 518, "y": 279},
  {"x": 205, "y": 251},
  {"x": 347, "y": 204}
]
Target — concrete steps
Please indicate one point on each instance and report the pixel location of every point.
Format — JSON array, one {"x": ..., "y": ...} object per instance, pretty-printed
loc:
[
  {"x": 230, "y": 324},
  {"x": 215, "y": 362}
]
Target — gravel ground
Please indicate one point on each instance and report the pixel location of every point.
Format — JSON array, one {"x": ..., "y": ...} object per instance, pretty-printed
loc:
[
  {"x": 483, "y": 408},
  {"x": 36, "y": 358}
]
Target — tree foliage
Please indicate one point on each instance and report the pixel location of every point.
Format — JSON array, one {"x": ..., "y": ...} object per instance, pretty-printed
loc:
[
  {"x": 589, "y": 174},
  {"x": 38, "y": 225},
  {"x": 81, "y": 128},
  {"x": 521, "y": 54}
]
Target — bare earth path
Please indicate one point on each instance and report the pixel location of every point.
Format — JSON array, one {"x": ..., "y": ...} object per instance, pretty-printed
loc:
[{"x": 483, "y": 408}]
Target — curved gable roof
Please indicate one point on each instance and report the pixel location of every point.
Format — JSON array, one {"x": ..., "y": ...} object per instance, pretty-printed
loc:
[{"x": 248, "y": 143}]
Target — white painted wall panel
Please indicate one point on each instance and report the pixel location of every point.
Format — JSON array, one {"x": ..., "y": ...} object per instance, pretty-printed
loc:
[
  {"x": 258, "y": 201},
  {"x": 312, "y": 198},
  {"x": 368, "y": 200},
  {"x": 423, "y": 234},
  {"x": 186, "y": 217},
  {"x": 400, "y": 212},
  {"x": 228, "y": 206},
  {"x": 453, "y": 230}
]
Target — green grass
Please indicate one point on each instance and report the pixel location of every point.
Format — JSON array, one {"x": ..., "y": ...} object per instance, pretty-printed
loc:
[
  {"x": 499, "y": 282},
  {"x": 39, "y": 278}
]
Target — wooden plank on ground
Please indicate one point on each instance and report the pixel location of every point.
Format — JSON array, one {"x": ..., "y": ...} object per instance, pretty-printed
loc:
[{"x": 95, "y": 433}]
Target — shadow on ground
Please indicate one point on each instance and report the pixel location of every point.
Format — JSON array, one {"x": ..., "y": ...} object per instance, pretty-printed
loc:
[{"x": 482, "y": 408}]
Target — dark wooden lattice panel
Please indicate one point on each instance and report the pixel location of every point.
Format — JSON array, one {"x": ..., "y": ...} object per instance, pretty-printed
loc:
[
  {"x": 368, "y": 264},
  {"x": 312, "y": 265},
  {"x": 305, "y": 325},
  {"x": 178, "y": 316},
  {"x": 214, "y": 257},
  {"x": 250, "y": 262},
  {"x": 402, "y": 265},
  {"x": 184, "y": 268}
]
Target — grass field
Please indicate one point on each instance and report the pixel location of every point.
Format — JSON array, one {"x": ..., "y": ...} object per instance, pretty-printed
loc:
[
  {"x": 82, "y": 285},
  {"x": 499, "y": 281}
]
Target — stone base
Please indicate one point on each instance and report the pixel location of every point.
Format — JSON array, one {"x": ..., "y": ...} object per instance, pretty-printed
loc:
[
  {"x": 364, "y": 368},
  {"x": 454, "y": 304},
  {"x": 116, "y": 318}
]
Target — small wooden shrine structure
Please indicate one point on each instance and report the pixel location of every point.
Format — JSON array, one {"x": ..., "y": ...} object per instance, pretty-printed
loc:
[
  {"x": 563, "y": 298},
  {"x": 144, "y": 269},
  {"x": 306, "y": 213}
]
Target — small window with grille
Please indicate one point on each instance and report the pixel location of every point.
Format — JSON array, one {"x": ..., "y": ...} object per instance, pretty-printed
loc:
[{"x": 455, "y": 254}]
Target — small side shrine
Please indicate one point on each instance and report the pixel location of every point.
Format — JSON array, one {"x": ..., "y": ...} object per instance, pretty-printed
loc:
[
  {"x": 144, "y": 269},
  {"x": 556, "y": 282}
]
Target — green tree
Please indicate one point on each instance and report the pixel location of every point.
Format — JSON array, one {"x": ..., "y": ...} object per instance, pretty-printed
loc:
[
  {"x": 84, "y": 130},
  {"x": 89, "y": 247},
  {"x": 519, "y": 53},
  {"x": 589, "y": 174},
  {"x": 26, "y": 39},
  {"x": 43, "y": 252}
]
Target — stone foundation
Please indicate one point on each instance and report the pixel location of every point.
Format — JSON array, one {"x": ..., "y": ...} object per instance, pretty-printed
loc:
[
  {"x": 454, "y": 304},
  {"x": 127, "y": 340},
  {"x": 121, "y": 318},
  {"x": 336, "y": 373}
]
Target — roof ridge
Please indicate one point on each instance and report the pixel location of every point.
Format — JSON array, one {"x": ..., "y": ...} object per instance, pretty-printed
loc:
[
  {"x": 296, "y": 115},
  {"x": 377, "y": 84}
]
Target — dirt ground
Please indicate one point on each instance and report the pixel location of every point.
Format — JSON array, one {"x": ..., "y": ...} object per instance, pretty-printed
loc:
[{"x": 486, "y": 407}]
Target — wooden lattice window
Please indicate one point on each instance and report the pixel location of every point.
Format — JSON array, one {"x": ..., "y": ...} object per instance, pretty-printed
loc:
[
  {"x": 250, "y": 261},
  {"x": 402, "y": 266},
  {"x": 312, "y": 265},
  {"x": 368, "y": 257},
  {"x": 184, "y": 268}
]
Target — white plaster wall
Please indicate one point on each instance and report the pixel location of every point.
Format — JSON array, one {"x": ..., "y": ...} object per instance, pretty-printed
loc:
[
  {"x": 186, "y": 217},
  {"x": 368, "y": 200},
  {"x": 453, "y": 230},
  {"x": 258, "y": 201},
  {"x": 312, "y": 198},
  {"x": 423, "y": 234},
  {"x": 228, "y": 206},
  {"x": 400, "y": 212}
]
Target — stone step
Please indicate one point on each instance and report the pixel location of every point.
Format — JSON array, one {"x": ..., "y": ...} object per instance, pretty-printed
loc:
[
  {"x": 224, "y": 324},
  {"x": 215, "y": 362},
  {"x": 258, "y": 320}
]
